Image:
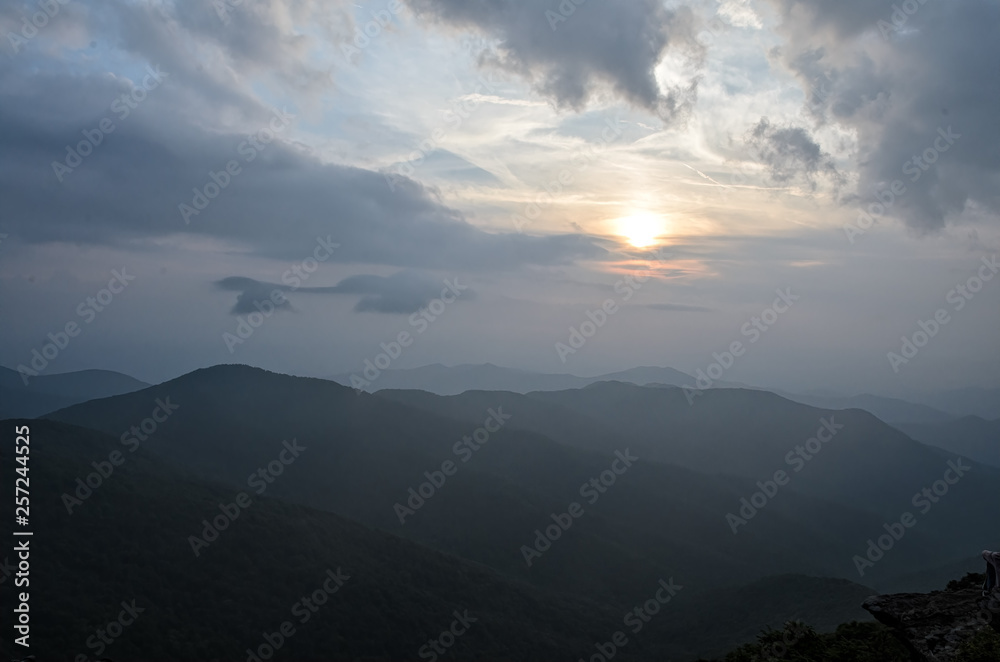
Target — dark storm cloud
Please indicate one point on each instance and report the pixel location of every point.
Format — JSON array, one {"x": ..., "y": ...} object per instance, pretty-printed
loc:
[
  {"x": 790, "y": 154},
  {"x": 277, "y": 201},
  {"x": 567, "y": 53},
  {"x": 899, "y": 74},
  {"x": 400, "y": 293}
]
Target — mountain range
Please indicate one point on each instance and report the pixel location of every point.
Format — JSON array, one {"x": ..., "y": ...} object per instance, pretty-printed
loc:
[
  {"x": 46, "y": 393},
  {"x": 444, "y": 380},
  {"x": 552, "y": 514}
]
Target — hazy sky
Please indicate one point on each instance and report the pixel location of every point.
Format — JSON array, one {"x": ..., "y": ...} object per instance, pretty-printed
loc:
[{"x": 684, "y": 160}]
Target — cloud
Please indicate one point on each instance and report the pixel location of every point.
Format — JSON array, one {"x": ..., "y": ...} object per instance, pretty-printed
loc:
[
  {"x": 740, "y": 13},
  {"x": 567, "y": 56},
  {"x": 280, "y": 198},
  {"x": 130, "y": 186},
  {"x": 790, "y": 154},
  {"x": 218, "y": 46},
  {"x": 253, "y": 293},
  {"x": 225, "y": 53},
  {"x": 894, "y": 79},
  {"x": 401, "y": 293},
  {"x": 448, "y": 165}
]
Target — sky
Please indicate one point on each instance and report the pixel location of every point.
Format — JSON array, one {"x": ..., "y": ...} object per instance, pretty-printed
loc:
[{"x": 305, "y": 185}]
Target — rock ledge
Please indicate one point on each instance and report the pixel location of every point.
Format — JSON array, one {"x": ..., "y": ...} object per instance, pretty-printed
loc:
[{"x": 935, "y": 625}]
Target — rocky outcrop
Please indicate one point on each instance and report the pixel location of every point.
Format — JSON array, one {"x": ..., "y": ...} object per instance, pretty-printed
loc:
[{"x": 935, "y": 625}]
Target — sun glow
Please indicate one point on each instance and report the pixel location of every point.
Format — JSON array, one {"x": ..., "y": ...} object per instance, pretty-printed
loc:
[{"x": 641, "y": 230}]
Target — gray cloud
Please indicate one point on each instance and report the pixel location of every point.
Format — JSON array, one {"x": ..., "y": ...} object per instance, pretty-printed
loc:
[
  {"x": 251, "y": 38},
  {"x": 617, "y": 44},
  {"x": 253, "y": 294},
  {"x": 199, "y": 119},
  {"x": 133, "y": 183},
  {"x": 451, "y": 166},
  {"x": 790, "y": 154},
  {"x": 896, "y": 84},
  {"x": 401, "y": 293}
]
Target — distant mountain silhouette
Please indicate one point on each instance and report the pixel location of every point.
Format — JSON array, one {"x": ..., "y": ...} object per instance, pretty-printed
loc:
[
  {"x": 971, "y": 436},
  {"x": 890, "y": 410},
  {"x": 445, "y": 380},
  {"x": 47, "y": 393},
  {"x": 973, "y": 401},
  {"x": 664, "y": 517},
  {"x": 129, "y": 540},
  {"x": 868, "y": 465},
  {"x": 368, "y": 451},
  {"x": 725, "y": 431}
]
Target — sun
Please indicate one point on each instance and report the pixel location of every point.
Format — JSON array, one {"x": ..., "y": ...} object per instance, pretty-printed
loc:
[{"x": 641, "y": 230}]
